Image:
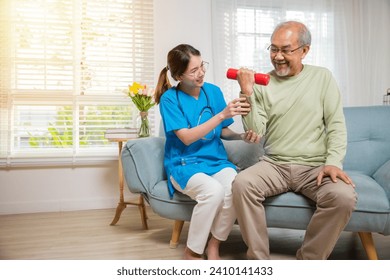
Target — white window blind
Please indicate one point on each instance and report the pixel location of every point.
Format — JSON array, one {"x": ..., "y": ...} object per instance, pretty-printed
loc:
[
  {"x": 64, "y": 67},
  {"x": 242, "y": 32}
]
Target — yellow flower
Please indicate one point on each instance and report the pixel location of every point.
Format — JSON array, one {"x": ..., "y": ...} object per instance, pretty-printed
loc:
[
  {"x": 142, "y": 96},
  {"x": 136, "y": 88}
]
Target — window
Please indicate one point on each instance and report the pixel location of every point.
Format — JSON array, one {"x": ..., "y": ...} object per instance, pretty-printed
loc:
[
  {"x": 242, "y": 32},
  {"x": 65, "y": 66}
]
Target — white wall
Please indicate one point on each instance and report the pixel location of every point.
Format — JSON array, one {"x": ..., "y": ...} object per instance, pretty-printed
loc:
[
  {"x": 25, "y": 190},
  {"x": 178, "y": 22}
]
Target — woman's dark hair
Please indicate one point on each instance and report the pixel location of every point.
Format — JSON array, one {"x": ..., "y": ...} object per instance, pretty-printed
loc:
[{"x": 177, "y": 63}]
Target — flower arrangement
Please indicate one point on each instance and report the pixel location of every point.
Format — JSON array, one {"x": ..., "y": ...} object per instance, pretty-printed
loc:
[{"x": 142, "y": 97}]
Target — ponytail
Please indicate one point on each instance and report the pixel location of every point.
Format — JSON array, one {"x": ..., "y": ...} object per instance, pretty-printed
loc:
[{"x": 163, "y": 85}]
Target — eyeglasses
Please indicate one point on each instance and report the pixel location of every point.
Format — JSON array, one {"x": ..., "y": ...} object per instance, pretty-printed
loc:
[
  {"x": 196, "y": 71},
  {"x": 274, "y": 50}
]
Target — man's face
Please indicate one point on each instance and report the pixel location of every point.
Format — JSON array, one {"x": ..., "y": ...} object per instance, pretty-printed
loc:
[{"x": 286, "y": 53}]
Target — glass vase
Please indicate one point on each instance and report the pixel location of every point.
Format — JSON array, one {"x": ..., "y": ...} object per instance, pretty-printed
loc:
[{"x": 143, "y": 124}]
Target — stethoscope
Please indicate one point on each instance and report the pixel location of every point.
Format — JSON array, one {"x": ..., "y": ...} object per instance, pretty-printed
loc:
[{"x": 206, "y": 108}]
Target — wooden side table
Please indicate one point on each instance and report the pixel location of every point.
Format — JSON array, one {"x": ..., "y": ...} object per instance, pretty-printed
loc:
[{"x": 122, "y": 204}]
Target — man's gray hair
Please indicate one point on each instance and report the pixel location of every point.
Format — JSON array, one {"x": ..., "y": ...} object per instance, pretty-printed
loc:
[{"x": 304, "y": 37}]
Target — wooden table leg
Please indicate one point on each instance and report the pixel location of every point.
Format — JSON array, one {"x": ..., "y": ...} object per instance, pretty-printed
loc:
[
  {"x": 122, "y": 204},
  {"x": 141, "y": 207},
  {"x": 118, "y": 212}
]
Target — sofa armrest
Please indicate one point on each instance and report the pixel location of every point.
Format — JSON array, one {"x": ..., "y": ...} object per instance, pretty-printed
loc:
[
  {"x": 143, "y": 163},
  {"x": 382, "y": 176}
]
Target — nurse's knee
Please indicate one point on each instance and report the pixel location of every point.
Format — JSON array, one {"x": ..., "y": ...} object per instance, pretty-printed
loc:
[{"x": 215, "y": 193}]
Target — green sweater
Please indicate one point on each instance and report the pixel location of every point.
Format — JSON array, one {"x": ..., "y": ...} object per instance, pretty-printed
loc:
[{"x": 301, "y": 118}]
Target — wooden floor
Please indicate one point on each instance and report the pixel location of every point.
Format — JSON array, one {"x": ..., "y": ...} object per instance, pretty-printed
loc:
[{"x": 87, "y": 235}]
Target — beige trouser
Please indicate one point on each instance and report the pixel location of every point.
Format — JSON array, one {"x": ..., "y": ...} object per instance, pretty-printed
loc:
[
  {"x": 214, "y": 210},
  {"x": 335, "y": 203}
]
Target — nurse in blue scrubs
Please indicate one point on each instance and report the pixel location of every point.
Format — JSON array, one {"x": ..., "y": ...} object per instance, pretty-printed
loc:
[{"x": 195, "y": 118}]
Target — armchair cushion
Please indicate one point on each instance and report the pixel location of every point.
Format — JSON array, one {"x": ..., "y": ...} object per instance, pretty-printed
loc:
[
  {"x": 382, "y": 176},
  {"x": 243, "y": 154}
]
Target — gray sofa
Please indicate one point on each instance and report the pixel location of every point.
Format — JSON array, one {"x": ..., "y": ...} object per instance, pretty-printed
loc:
[{"x": 367, "y": 162}]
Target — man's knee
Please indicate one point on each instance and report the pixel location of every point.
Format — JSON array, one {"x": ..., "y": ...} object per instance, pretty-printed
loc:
[
  {"x": 349, "y": 199},
  {"x": 342, "y": 197},
  {"x": 240, "y": 185}
]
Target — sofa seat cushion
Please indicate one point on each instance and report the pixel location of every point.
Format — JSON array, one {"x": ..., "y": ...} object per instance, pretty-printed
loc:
[
  {"x": 290, "y": 200},
  {"x": 160, "y": 192},
  {"x": 180, "y": 207}
]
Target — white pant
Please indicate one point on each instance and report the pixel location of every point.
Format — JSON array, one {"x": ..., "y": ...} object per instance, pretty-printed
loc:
[{"x": 214, "y": 211}]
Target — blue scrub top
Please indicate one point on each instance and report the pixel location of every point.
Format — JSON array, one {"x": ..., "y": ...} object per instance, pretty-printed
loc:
[{"x": 207, "y": 155}]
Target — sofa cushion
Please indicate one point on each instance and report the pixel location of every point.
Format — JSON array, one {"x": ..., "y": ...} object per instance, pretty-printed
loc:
[
  {"x": 371, "y": 196},
  {"x": 160, "y": 192},
  {"x": 382, "y": 176},
  {"x": 368, "y": 138},
  {"x": 290, "y": 199},
  {"x": 178, "y": 208},
  {"x": 243, "y": 154}
]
